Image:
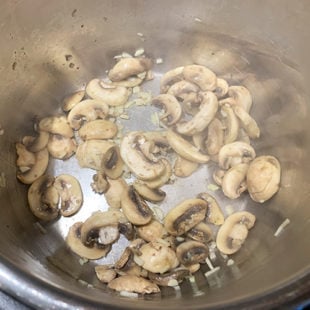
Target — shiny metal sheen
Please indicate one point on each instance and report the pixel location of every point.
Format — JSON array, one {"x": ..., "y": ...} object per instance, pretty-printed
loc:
[{"x": 263, "y": 45}]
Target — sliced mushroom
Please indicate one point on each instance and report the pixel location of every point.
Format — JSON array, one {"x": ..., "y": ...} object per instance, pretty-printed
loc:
[
  {"x": 201, "y": 233},
  {"x": 112, "y": 163},
  {"x": 171, "y": 106},
  {"x": 38, "y": 143},
  {"x": 171, "y": 278},
  {"x": 91, "y": 153},
  {"x": 130, "y": 82},
  {"x": 112, "y": 95},
  {"x": 202, "y": 119},
  {"x": 263, "y": 178},
  {"x": 135, "y": 208},
  {"x": 43, "y": 198},
  {"x": 105, "y": 273},
  {"x": 185, "y": 216},
  {"x": 25, "y": 159},
  {"x": 243, "y": 136},
  {"x": 163, "y": 178},
  {"x": 185, "y": 148},
  {"x": 98, "y": 129},
  {"x": 171, "y": 77},
  {"x": 193, "y": 268},
  {"x": 201, "y": 76},
  {"x": 235, "y": 153},
  {"x": 199, "y": 139},
  {"x": 87, "y": 110},
  {"x": 191, "y": 103},
  {"x": 144, "y": 168},
  {"x": 221, "y": 88},
  {"x": 184, "y": 168},
  {"x": 182, "y": 88},
  {"x": 115, "y": 191},
  {"x": 70, "y": 193},
  {"x": 61, "y": 147},
  {"x": 215, "y": 138},
  {"x": 234, "y": 181},
  {"x": 74, "y": 242},
  {"x": 37, "y": 170},
  {"x": 149, "y": 194},
  {"x": 102, "y": 227},
  {"x": 242, "y": 96},
  {"x": 127, "y": 266},
  {"x": 57, "y": 125},
  {"x": 247, "y": 122},
  {"x": 214, "y": 213},
  {"x": 72, "y": 100},
  {"x": 100, "y": 183},
  {"x": 231, "y": 124},
  {"x": 151, "y": 231},
  {"x": 157, "y": 257},
  {"x": 192, "y": 252},
  {"x": 128, "y": 67},
  {"x": 129, "y": 283},
  {"x": 234, "y": 231}
]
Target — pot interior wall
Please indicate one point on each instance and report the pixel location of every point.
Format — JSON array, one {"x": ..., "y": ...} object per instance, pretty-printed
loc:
[{"x": 260, "y": 51}]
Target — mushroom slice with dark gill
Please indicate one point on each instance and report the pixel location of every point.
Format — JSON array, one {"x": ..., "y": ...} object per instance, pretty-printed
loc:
[
  {"x": 185, "y": 216},
  {"x": 233, "y": 233},
  {"x": 73, "y": 240},
  {"x": 70, "y": 192},
  {"x": 43, "y": 198}
]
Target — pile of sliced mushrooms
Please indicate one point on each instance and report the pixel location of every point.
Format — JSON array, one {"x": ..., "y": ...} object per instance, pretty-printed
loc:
[{"x": 203, "y": 119}]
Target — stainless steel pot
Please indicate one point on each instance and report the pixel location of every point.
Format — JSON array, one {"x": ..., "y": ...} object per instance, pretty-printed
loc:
[{"x": 261, "y": 44}]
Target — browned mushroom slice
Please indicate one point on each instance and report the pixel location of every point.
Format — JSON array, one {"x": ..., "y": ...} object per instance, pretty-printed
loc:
[
  {"x": 214, "y": 213},
  {"x": 171, "y": 106},
  {"x": 25, "y": 159},
  {"x": 185, "y": 148},
  {"x": 233, "y": 233},
  {"x": 134, "y": 284},
  {"x": 61, "y": 147},
  {"x": 201, "y": 76},
  {"x": 163, "y": 178},
  {"x": 149, "y": 194},
  {"x": 192, "y": 252},
  {"x": 201, "y": 233},
  {"x": 100, "y": 183},
  {"x": 87, "y": 110},
  {"x": 37, "y": 170},
  {"x": 102, "y": 227},
  {"x": 135, "y": 208},
  {"x": 242, "y": 96},
  {"x": 200, "y": 121},
  {"x": 151, "y": 231},
  {"x": 234, "y": 181},
  {"x": 128, "y": 67},
  {"x": 38, "y": 143},
  {"x": 43, "y": 198},
  {"x": 185, "y": 216},
  {"x": 157, "y": 257},
  {"x": 98, "y": 129},
  {"x": 70, "y": 193},
  {"x": 57, "y": 125},
  {"x": 112, "y": 163},
  {"x": 170, "y": 78},
  {"x": 74, "y": 242},
  {"x": 184, "y": 168},
  {"x": 115, "y": 191},
  {"x": 72, "y": 100},
  {"x": 182, "y": 89},
  {"x": 113, "y": 95},
  {"x": 91, "y": 153},
  {"x": 105, "y": 273},
  {"x": 235, "y": 153}
]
